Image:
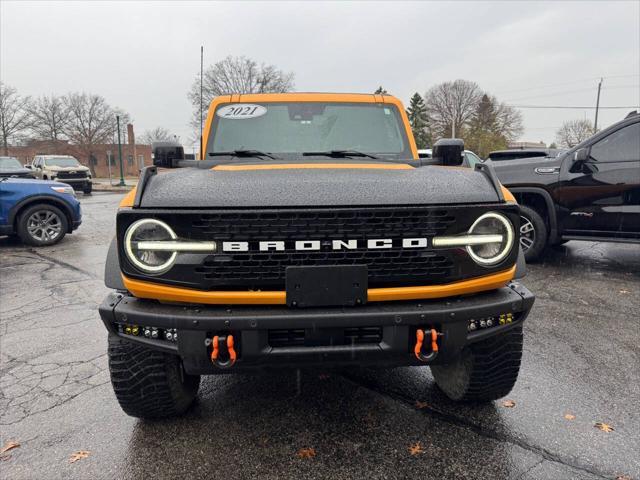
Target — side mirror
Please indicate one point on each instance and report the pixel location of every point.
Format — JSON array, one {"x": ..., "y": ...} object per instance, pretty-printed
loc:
[
  {"x": 580, "y": 155},
  {"x": 29, "y": 166},
  {"x": 167, "y": 154},
  {"x": 448, "y": 151}
]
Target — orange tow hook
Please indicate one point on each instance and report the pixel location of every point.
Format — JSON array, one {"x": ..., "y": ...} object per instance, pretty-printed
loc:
[
  {"x": 419, "y": 341},
  {"x": 215, "y": 352}
]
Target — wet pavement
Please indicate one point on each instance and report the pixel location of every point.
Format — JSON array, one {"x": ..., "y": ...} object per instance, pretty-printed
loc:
[{"x": 581, "y": 360}]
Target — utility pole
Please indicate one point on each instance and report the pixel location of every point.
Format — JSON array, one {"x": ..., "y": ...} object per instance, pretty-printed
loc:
[
  {"x": 595, "y": 123},
  {"x": 121, "y": 184},
  {"x": 201, "y": 74}
]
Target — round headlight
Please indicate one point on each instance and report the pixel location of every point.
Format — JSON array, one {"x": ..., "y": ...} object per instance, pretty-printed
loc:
[
  {"x": 149, "y": 261},
  {"x": 491, "y": 223}
]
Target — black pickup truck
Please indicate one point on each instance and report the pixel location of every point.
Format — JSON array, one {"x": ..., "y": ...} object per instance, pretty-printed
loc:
[{"x": 590, "y": 192}]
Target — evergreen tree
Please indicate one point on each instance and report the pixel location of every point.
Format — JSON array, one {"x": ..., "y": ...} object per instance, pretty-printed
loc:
[
  {"x": 417, "y": 113},
  {"x": 380, "y": 91},
  {"x": 484, "y": 133}
]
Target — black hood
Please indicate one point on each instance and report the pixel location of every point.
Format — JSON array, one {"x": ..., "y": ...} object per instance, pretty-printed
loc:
[
  {"x": 16, "y": 172},
  {"x": 298, "y": 187}
]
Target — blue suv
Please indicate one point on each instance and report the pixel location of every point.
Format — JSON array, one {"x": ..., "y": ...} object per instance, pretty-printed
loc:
[{"x": 39, "y": 212}]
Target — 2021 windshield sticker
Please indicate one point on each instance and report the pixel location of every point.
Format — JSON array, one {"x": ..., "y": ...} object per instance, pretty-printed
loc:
[{"x": 241, "y": 111}]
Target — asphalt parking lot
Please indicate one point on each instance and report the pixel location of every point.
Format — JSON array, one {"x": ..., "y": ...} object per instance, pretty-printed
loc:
[{"x": 580, "y": 367}]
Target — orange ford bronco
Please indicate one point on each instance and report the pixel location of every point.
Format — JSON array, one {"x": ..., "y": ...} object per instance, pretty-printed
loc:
[{"x": 310, "y": 233}]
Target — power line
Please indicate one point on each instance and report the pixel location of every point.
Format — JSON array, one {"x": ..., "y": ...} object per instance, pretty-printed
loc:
[
  {"x": 572, "y": 82},
  {"x": 572, "y": 108}
]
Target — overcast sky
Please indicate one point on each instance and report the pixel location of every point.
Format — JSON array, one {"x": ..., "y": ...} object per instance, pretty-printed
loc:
[{"x": 143, "y": 56}]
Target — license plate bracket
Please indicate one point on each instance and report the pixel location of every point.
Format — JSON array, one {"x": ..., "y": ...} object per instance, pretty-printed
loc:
[{"x": 326, "y": 286}]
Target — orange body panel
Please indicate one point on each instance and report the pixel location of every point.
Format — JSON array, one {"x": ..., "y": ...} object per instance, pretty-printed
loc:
[
  {"x": 127, "y": 200},
  {"x": 306, "y": 98},
  {"x": 143, "y": 289}
]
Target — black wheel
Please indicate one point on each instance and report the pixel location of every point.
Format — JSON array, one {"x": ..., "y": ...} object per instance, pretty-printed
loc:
[
  {"x": 533, "y": 233},
  {"x": 87, "y": 189},
  {"x": 149, "y": 383},
  {"x": 484, "y": 371},
  {"x": 40, "y": 225}
]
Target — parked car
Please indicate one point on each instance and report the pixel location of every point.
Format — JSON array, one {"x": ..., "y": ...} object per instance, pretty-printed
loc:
[
  {"x": 470, "y": 158},
  {"x": 11, "y": 167},
  {"x": 310, "y": 234},
  {"x": 64, "y": 168},
  {"x": 590, "y": 192},
  {"x": 40, "y": 213},
  {"x": 517, "y": 154}
]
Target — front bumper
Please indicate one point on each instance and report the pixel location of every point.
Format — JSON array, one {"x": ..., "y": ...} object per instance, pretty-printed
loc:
[
  {"x": 323, "y": 344},
  {"x": 76, "y": 183}
]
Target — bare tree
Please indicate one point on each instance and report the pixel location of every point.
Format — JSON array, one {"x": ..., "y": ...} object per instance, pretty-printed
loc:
[
  {"x": 15, "y": 117},
  {"x": 91, "y": 122},
  {"x": 50, "y": 117},
  {"x": 450, "y": 105},
  {"x": 573, "y": 132},
  {"x": 237, "y": 75},
  {"x": 158, "y": 134}
]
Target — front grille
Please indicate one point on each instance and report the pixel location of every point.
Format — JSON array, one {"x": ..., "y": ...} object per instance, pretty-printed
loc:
[
  {"x": 269, "y": 267},
  {"x": 266, "y": 270},
  {"x": 323, "y": 224},
  {"x": 70, "y": 175},
  {"x": 300, "y": 337}
]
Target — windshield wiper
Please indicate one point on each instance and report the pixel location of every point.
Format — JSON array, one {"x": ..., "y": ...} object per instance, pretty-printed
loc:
[
  {"x": 339, "y": 154},
  {"x": 243, "y": 154}
]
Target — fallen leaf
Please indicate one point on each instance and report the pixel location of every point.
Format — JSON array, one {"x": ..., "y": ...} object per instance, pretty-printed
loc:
[
  {"x": 421, "y": 405},
  {"x": 568, "y": 416},
  {"x": 605, "y": 427},
  {"x": 415, "y": 449},
  {"x": 9, "y": 446},
  {"x": 509, "y": 404},
  {"x": 323, "y": 376},
  {"x": 624, "y": 477},
  {"x": 79, "y": 455},
  {"x": 624, "y": 292},
  {"x": 5, "y": 457},
  {"x": 306, "y": 453}
]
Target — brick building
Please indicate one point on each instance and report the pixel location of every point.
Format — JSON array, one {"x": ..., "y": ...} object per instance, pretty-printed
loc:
[{"x": 134, "y": 156}]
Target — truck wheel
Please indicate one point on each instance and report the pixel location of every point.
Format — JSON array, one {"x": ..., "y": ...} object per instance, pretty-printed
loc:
[
  {"x": 533, "y": 233},
  {"x": 87, "y": 189},
  {"x": 41, "y": 225},
  {"x": 484, "y": 371},
  {"x": 149, "y": 383}
]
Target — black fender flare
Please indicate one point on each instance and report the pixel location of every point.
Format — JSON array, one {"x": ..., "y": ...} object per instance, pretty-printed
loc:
[
  {"x": 551, "y": 208},
  {"x": 112, "y": 274},
  {"x": 40, "y": 198}
]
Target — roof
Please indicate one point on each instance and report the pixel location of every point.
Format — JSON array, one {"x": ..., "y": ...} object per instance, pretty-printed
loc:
[{"x": 309, "y": 97}]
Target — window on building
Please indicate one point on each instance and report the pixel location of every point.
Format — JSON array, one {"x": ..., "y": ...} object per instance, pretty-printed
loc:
[
  {"x": 140, "y": 161},
  {"x": 130, "y": 160}
]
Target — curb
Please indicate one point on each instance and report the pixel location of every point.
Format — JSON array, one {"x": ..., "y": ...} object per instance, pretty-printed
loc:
[{"x": 97, "y": 187}]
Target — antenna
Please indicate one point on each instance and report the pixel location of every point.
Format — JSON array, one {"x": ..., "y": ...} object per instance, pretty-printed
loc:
[{"x": 201, "y": 72}]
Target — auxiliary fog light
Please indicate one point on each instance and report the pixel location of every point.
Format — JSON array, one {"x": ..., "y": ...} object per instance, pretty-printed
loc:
[{"x": 488, "y": 322}]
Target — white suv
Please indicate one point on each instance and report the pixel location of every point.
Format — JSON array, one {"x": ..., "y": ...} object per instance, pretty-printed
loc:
[{"x": 63, "y": 168}]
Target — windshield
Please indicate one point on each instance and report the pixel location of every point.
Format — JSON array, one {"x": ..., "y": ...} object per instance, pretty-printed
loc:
[
  {"x": 62, "y": 162},
  {"x": 290, "y": 129},
  {"x": 10, "y": 163}
]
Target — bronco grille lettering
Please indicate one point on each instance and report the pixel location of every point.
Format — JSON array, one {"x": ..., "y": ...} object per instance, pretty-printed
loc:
[{"x": 316, "y": 245}]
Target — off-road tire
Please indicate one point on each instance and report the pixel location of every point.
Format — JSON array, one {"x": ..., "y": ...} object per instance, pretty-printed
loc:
[
  {"x": 484, "y": 371},
  {"x": 41, "y": 209},
  {"x": 87, "y": 189},
  {"x": 533, "y": 252},
  {"x": 149, "y": 383}
]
